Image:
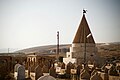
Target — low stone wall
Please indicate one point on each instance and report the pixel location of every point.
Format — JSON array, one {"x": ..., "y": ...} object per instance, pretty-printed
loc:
[{"x": 114, "y": 77}]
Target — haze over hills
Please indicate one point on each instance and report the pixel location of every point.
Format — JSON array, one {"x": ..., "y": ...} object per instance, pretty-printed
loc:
[
  {"x": 43, "y": 49},
  {"x": 104, "y": 49},
  {"x": 11, "y": 50}
]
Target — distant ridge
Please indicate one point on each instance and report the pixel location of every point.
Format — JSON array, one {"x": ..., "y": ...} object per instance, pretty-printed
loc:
[
  {"x": 104, "y": 49},
  {"x": 42, "y": 49}
]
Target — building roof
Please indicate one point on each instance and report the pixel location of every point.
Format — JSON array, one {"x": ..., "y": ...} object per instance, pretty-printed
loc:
[{"x": 83, "y": 30}]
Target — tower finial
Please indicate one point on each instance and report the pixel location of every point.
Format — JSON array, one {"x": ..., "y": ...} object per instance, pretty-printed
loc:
[{"x": 84, "y": 11}]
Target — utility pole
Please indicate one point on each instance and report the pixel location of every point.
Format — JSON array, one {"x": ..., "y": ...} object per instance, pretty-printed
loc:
[
  {"x": 8, "y": 50},
  {"x": 57, "y": 54}
]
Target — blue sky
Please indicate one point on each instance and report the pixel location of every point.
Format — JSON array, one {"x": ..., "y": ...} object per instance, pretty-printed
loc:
[{"x": 30, "y": 23}]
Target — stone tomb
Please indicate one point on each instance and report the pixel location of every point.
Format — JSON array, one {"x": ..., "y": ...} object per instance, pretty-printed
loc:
[
  {"x": 52, "y": 71},
  {"x": 38, "y": 72}
]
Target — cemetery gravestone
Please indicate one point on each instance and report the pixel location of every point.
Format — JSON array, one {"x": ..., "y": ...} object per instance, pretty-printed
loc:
[
  {"x": 46, "y": 77},
  {"x": 85, "y": 75},
  {"x": 38, "y": 72},
  {"x": 52, "y": 71},
  {"x": 21, "y": 73},
  {"x": 16, "y": 70}
]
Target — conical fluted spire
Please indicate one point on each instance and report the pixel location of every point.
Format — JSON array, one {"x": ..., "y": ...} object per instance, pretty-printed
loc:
[{"x": 82, "y": 31}]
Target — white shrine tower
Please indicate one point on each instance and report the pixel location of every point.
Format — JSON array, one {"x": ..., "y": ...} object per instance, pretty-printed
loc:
[{"x": 83, "y": 47}]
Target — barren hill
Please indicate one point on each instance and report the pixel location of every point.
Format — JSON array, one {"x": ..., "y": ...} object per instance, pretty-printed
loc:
[
  {"x": 104, "y": 49},
  {"x": 44, "y": 49}
]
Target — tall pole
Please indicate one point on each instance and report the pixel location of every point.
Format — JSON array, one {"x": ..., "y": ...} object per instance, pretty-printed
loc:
[
  {"x": 84, "y": 11},
  {"x": 57, "y": 55},
  {"x": 8, "y": 50},
  {"x": 84, "y": 46}
]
